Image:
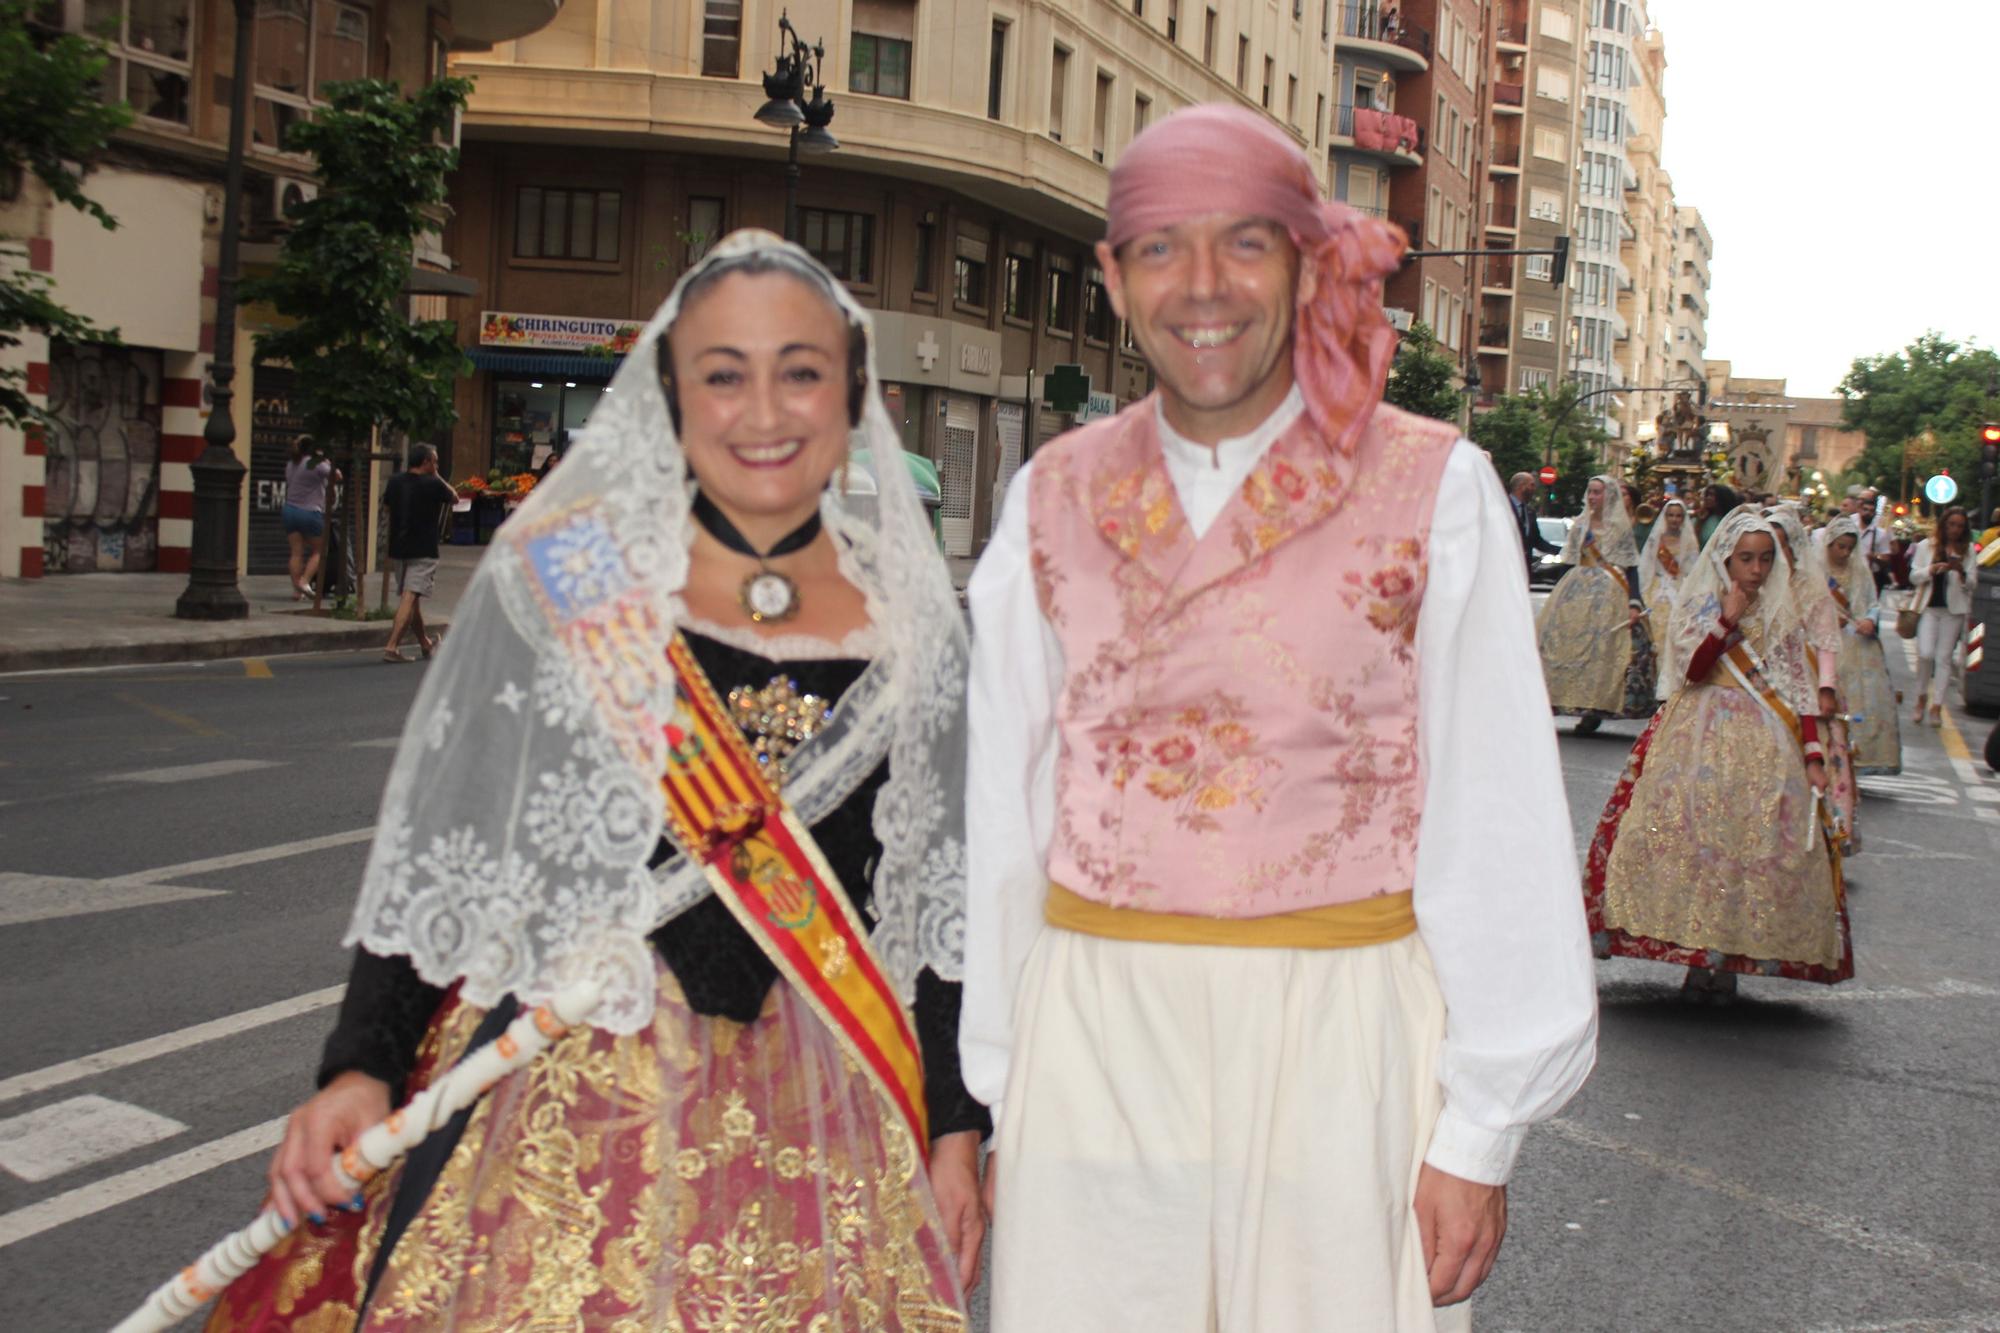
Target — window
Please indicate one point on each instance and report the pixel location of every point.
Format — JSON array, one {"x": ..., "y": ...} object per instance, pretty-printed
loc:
[
  {"x": 1552, "y": 83},
  {"x": 1100, "y": 120},
  {"x": 704, "y": 229},
  {"x": 1325, "y": 19},
  {"x": 879, "y": 65},
  {"x": 1539, "y": 325},
  {"x": 1058, "y": 77},
  {"x": 996, "y": 70},
  {"x": 1545, "y": 205},
  {"x": 1292, "y": 100},
  {"x": 1319, "y": 120},
  {"x": 925, "y": 280},
  {"x": 1454, "y": 324},
  {"x": 148, "y": 44},
  {"x": 1174, "y": 21},
  {"x": 1531, "y": 380},
  {"x": 1208, "y": 40},
  {"x": 1243, "y": 66},
  {"x": 1433, "y": 211},
  {"x": 968, "y": 272},
  {"x": 1551, "y": 144},
  {"x": 1270, "y": 71},
  {"x": 299, "y": 47},
  {"x": 566, "y": 224},
  {"x": 1142, "y": 113},
  {"x": 1139, "y": 8},
  {"x": 1541, "y": 266},
  {"x": 844, "y": 242},
  {"x": 1298, "y": 10},
  {"x": 1017, "y": 296},
  {"x": 721, "y": 37},
  {"x": 1429, "y": 311},
  {"x": 1556, "y": 25},
  {"x": 1061, "y": 308},
  {"x": 1097, "y": 315}
]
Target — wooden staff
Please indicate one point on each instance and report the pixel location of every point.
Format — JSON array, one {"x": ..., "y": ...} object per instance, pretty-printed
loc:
[{"x": 375, "y": 1151}]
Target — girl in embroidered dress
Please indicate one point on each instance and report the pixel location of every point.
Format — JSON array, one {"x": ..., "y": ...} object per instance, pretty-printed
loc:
[
  {"x": 1664, "y": 564},
  {"x": 1713, "y": 851},
  {"x": 711, "y": 1145},
  {"x": 1597, "y": 656},
  {"x": 1866, "y": 692},
  {"x": 1822, "y": 618}
]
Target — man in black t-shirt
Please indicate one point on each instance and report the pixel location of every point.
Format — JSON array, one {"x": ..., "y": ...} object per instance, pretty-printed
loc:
[{"x": 417, "y": 501}]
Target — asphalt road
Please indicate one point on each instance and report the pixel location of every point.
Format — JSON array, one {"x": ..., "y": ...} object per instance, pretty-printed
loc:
[{"x": 179, "y": 848}]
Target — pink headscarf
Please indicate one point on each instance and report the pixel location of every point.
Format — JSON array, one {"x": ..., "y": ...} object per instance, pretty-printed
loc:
[{"x": 1216, "y": 158}]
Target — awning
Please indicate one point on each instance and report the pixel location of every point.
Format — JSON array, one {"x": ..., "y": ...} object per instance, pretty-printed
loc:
[{"x": 550, "y": 365}]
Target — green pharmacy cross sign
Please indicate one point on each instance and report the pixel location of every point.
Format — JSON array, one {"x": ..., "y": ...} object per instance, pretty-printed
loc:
[{"x": 1066, "y": 388}]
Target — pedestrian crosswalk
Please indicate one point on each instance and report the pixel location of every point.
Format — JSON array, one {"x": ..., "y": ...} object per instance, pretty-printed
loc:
[{"x": 62, "y": 1136}]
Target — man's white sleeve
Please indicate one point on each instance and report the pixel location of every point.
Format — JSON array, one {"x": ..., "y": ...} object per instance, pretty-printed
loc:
[
  {"x": 1499, "y": 901},
  {"x": 1017, "y": 674}
]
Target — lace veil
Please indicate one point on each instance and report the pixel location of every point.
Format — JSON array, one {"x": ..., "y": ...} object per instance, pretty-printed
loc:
[
  {"x": 1772, "y": 625},
  {"x": 1855, "y": 581},
  {"x": 1685, "y": 551},
  {"x": 524, "y": 802},
  {"x": 1614, "y": 529},
  {"x": 1809, "y": 589}
]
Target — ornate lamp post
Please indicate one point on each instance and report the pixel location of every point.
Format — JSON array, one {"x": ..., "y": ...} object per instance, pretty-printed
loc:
[
  {"x": 211, "y": 592},
  {"x": 787, "y": 107}
]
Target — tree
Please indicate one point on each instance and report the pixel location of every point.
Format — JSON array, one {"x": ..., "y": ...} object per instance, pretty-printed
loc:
[
  {"x": 54, "y": 124},
  {"x": 1521, "y": 430},
  {"x": 1423, "y": 378},
  {"x": 1935, "y": 384},
  {"x": 1511, "y": 431},
  {"x": 360, "y": 361}
]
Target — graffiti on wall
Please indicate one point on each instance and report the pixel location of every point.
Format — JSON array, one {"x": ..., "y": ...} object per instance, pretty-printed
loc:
[{"x": 101, "y": 502}]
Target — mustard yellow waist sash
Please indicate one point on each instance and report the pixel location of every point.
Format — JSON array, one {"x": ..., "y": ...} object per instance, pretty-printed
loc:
[{"x": 1377, "y": 920}]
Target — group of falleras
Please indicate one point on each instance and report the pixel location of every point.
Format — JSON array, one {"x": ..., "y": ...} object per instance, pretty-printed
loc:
[
  {"x": 1219, "y": 872},
  {"x": 1721, "y": 846}
]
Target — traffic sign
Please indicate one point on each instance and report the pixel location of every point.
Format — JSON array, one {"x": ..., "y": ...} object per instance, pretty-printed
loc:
[
  {"x": 1066, "y": 388},
  {"x": 1548, "y": 475},
  {"x": 1941, "y": 489}
]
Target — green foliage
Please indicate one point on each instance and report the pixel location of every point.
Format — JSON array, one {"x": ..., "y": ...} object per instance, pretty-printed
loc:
[
  {"x": 360, "y": 360},
  {"x": 1935, "y": 384},
  {"x": 1423, "y": 378},
  {"x": 1521, "y": 430},
  {"x": 53, "y": 125}
]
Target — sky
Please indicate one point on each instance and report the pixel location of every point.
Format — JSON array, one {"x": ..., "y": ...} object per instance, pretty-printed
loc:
[{"x": 1846, "y": 157}]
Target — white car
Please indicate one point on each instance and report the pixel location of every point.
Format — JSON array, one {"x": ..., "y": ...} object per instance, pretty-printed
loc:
[{"x": 1554, "y": 531}]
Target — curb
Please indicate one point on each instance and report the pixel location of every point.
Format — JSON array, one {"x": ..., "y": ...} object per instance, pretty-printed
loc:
[{"x": 345, "y": 636}]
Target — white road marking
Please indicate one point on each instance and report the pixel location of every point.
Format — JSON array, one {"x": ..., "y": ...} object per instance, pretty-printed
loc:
[
  {"x": 1946, "y": 989},
  {"x": 25, "y": 898},
  {"x": 1951, "y": 1323},
  {"x": 1912, "y": 851},
  {"x": 380, "y": 743},
  {"x": 193, "y": 772},
  {"x": 151, "y": 1048},
  {"x": 65, "y": 1135},
  {"x": 82, "y": 1202},
  {"x": 1911, "y": 789},
  {"x": 255, "y": 856},
  {"x": 1880, "y": 1241}
]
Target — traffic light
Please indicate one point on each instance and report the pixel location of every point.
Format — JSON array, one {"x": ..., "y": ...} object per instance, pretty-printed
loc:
[
  {"x": 1560, "y": 269},
  {"x": 1989, "y": 448},
  {"x": 1902, "y": 511}
]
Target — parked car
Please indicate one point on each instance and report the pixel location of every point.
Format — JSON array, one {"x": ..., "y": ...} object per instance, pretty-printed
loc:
[{"x": 1555, "y": 531}]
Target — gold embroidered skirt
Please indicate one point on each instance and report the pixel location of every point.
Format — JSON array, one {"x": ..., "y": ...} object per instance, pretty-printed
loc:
[
  {"x": 1590, "y": 651},
  {"x": 1865, "y": 688},
  {"x": 702, "y": 1175}
]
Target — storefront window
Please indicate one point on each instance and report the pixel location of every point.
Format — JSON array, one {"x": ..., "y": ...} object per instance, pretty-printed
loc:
[{"x": 534, "y": 419}]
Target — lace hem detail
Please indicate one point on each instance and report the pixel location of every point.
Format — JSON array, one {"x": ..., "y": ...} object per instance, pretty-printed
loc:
[{"x": 860, "y": 645}]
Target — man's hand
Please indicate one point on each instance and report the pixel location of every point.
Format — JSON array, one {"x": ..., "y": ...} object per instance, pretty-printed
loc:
[
  {"x": 1460, "y": 1224},
  {"x": 955, "y": 1186}
]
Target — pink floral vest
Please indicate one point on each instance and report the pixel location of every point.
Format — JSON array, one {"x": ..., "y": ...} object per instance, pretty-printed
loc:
[{"x": 1238, "y": 722}]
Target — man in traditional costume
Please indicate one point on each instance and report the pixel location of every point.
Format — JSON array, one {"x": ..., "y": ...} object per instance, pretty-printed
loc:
[{"x": 1273, "y": 952}]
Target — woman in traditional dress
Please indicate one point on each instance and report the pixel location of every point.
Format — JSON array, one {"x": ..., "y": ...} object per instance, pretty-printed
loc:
[
  {"x": 1823, "y": 642},
  {"x": 1714, "y": 852},
  {"x": 684, "y": 643},
  {"x": 1942, "y": 576},
  {"x": 1597, "y": 657},
  {"x": 1867, "y": 695},
  {"x": 1664, "y": 564}
]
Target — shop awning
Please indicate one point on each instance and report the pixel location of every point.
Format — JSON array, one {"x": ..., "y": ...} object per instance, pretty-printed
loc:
[{"x": 552, "y": 365}]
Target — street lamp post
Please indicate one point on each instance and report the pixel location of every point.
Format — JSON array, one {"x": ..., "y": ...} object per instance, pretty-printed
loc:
[
  {"x": 787, "y": 107},
  {"x": 211, "y": 592}
]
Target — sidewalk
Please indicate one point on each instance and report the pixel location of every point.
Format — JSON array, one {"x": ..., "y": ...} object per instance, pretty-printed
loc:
[{"x": 79, "y": 620}]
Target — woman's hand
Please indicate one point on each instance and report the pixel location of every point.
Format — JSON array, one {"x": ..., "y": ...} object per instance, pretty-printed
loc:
[
  {"x": 955, "y": 1186},
  {"x": 301, "y": 1175},
  {"x": 1829, "y": 702},
  {"x": 1734, "y": 603},
  {"x": 1865, "y": 628},
  {"x": 1816, "y": 773}
]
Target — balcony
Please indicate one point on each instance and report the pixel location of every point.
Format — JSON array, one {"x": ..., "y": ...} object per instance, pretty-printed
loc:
[
  {"x": 1503, "y": 215},
  {"x": 1511, "y": 35},
  {"x": 1508, "y": 99},
  {"x": 1506, "y": 159},
  {"x": 1376, "y": 29},
  {"x": 1497, "y": 277},
  {"x": 1493, "y": 338},
  {"x": 1383, "y": 134}
]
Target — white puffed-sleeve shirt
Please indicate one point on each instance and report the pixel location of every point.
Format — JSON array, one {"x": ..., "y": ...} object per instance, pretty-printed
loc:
[{"x": 1498, "y": 896}]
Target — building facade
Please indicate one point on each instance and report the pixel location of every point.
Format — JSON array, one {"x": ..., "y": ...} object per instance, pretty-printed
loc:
[
  {"x": 962, "y": 205},
  {"x": 1646, "y": 292},
  {"x": 1779, "y": 443},
  {"x": 1693, "y": 252},
  {"x": 109, "y": 487}
]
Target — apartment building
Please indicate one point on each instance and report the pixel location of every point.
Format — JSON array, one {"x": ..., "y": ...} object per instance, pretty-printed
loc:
[
  {"x": 1693, "y": 250},
  {"x": 1537, "y": 72},
  {"x": 961, "y": 206},
  {"x": 109, "y": 488},
  {"x": 1438, "y": 201},
  {"x": 1649, "y": 251}
]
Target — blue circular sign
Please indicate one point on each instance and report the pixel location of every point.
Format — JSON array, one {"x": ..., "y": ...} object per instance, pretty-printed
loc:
[{"x": 1941, "y": 490}]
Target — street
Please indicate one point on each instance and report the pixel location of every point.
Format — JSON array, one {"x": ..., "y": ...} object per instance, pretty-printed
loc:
[{"x": 179, "y": 848}]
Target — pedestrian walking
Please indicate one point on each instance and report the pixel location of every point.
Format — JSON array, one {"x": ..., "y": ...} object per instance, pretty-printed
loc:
[
  {"x": 1942, "y": 575},
  {"x": 1714, "y": 852},
  {"x": 418, "y": 501},
  {"x": 682, "y": 627},
  {"x": 1270, "y": 964},
  {"x": 309, "y": 478},
  {"x": 1597, "y": 653},
  {"x": 1875, "y": 734},
  {"x": 1520, "y": 496}
]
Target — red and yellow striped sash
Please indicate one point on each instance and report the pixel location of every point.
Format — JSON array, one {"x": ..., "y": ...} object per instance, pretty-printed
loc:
[{"x": 725, "y": 811}]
